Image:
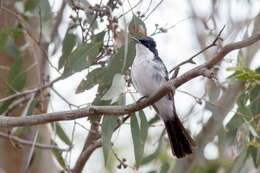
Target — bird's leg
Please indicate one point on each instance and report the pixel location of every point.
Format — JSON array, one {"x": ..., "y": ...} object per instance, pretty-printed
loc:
[{"x": 143, "y": 97}]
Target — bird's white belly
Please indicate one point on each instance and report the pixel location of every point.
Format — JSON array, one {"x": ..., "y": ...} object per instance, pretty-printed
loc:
[{"x": 143, "y": 77}]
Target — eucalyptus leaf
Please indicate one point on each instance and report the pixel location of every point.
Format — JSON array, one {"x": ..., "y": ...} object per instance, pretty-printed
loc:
[
  {"x": 107, "y": 127},
  {"x": 239, "y": 162},
  {"x": 139, "y": 134},
  {"x": 68, "y": 44},
  {"x": 62, "y": 135},
  {"x": 117, "y": 87},
  {"x": 137, "y": 27}
]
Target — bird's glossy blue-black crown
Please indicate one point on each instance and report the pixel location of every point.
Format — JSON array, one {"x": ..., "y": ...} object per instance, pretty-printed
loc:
[{"x": 150, "y": 44}]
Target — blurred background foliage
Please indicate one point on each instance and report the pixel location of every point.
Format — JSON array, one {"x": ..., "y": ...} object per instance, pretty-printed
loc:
[{"x": 92, "y": 38}]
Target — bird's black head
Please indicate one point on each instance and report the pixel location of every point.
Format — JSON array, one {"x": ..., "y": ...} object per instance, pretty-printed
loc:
[{"x": 149, "y": 43}]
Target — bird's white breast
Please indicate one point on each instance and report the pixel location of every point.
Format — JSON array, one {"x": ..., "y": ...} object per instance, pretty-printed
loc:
[{"x": 145, "y": 77}]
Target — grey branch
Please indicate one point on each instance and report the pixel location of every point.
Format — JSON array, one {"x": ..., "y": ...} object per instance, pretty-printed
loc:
[{"x": 122, "y": 110}]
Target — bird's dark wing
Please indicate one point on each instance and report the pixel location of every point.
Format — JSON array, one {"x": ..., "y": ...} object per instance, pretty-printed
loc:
[{"x": 165, "y": 73}]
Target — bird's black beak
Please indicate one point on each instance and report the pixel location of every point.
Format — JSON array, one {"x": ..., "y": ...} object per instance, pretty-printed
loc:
[{"x": 135, "y": 40}]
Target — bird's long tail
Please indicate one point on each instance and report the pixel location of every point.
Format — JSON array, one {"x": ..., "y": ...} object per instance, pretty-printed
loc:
[{"x": 180, "y": 140}]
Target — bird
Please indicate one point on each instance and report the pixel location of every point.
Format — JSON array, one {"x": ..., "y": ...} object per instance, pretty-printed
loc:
[{"x": 148, "y": 74}]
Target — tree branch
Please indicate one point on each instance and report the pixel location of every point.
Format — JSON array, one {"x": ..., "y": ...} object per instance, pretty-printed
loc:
[
  {"x": 122, "y": 110},
  {"x": 25, "y": 92}
]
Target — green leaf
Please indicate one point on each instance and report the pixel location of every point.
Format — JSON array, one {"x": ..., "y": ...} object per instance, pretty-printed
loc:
[
  {"x": 255, "y": 153},
  {"x": 216, "y": 113},
  {"x": 137, "y": 27},
  {"x": 165, "y": 167},
  {"x": 58, "y": 155},
  {"x": 93, "y": 78},
  {"x": 239, "y": 162},
  {"x": 15, "y": 70},
  {"x": 155, "y": 154},
  {"x": 6, "y": 32},
  {"x": 107, "y": 127},
  {"x": 98, "y": 102},
  {"x": 115, "y": 65},
  {"x": 99, "y": 38},
  {"x": 84, "y": 55},
  {"x": 16, "y": 80},
  {"x": 139, "y": 134},
  {"x": 255, "y": 100},
  {"x": 81, "y": 58},
  {"x": 62, "y": 135},
  {"x": 117, "y": 87},
  {"x": 11, "y": 49},
  {"x": 68, "y": 44},
  {"x": 32, "y": 106},
  {"x": 31, "y": 4},
  {"x": 3, "y": 38},
  {"x": 144, "y": 127}
]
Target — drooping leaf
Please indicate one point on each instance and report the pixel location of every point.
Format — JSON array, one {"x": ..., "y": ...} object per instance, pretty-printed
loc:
[
  {"x": 93, "y": 78},
  {"x": 165, "y": 167},
  {"x": 137, "y": 27},
  {"x": 16, "y": 81},
  {"x": 239, "y": 162},
  {"x": 68, "y": 44},
  {"x": 107, "y": 127},
  {"x": 98, "y": 102},
  {"x": 139, "y": 134},
  {"x": 117, "y": 87},
  {"x": 255, "y": 153},
  {"x": 58, "y": 155},
  {"x": 155, "y": 154},
  {"x": 32, "y": 106},
  {"x": 62, "y": 135}
]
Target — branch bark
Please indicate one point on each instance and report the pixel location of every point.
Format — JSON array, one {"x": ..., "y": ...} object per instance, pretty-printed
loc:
[{"x": 122, "y": 110}]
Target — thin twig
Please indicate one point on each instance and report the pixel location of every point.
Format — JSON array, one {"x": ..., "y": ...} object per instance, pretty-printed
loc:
[
  {"x": 25, "y": 92},
  {"x": 63, "y": 98},
  {"x": 153, "y": 9},
  {"x": 190, "y": 60},
  {"x": 30, "y": 156},
  {"x": 29, "y": 143}
]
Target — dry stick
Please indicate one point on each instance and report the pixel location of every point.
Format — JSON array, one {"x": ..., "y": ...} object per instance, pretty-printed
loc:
[
  {"x": 190, "y": 60},
  {"x": 25, "y": 92},
  {"x": 127, "y": 109}
]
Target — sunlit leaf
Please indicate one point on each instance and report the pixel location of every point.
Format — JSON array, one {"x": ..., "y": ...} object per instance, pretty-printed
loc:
[
  {"x": 107, "y": 127},
  {"x": 117, "y": 87}
]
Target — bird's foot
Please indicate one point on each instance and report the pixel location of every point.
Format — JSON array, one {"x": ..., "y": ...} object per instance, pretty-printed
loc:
[{"x": 143, "y": 97}]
